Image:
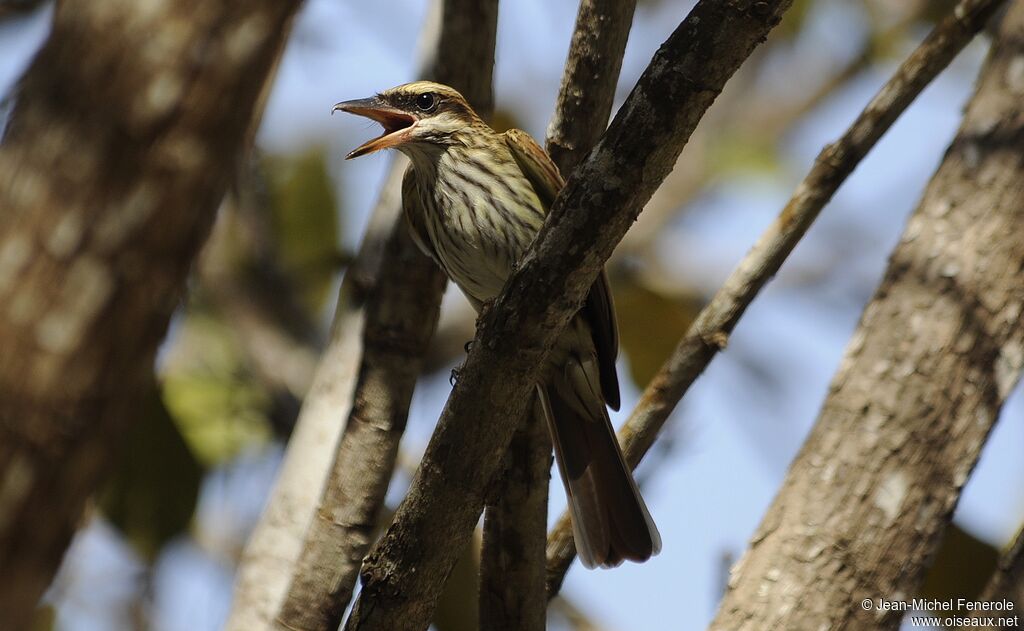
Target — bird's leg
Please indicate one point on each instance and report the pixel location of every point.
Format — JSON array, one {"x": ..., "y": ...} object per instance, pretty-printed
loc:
[{"x": 454, "y": 378}]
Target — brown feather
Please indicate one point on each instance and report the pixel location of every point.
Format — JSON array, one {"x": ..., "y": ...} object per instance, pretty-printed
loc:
[{"x": 598, "y": 310}]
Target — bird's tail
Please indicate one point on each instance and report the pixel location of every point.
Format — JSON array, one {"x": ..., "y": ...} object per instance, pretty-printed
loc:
[{"x": 610, "y": 521}]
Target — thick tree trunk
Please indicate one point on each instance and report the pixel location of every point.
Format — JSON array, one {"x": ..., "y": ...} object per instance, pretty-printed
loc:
[
  {"x": 119, "y": 150},
  {"x": 938, "y": 349}
]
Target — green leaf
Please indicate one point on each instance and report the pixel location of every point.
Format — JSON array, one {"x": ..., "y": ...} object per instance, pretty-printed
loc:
[{"x": 152, "y": 491}]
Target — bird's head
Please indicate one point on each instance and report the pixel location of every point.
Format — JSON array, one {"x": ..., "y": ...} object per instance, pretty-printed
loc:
[{"x": 416, "y": 116}]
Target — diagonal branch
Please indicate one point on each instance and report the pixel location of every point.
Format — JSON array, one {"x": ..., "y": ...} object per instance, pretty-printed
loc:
[
  {"x": 710, "y": 332},
  {"x": 405, "y": 570},
  {"x": 512, "y": 581},
  {"x": 401, "y": 314}
]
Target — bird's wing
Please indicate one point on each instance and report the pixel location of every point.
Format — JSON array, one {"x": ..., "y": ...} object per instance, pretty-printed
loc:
[
  {"x": 598, "y": 310},
  {"x": 414, "y": 215}
]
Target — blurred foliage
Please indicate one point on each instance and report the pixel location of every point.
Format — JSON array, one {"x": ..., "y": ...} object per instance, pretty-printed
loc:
[
  {"x": 152, "y": 491},
  {"x": 305, "y": 222},
  {"x": 217, "y": 405},
  {"x": 961, "y": 568},
  {"x": 744, "y": 153},
  {"x": 504, "y": 119},
  {"x": 458, "y": 606},
  {"x": 266, "y": 274},
  {"x": 650, "y": 324},
  {"x": 794, "y": 19},
  {"x": 45, "y": 619}
]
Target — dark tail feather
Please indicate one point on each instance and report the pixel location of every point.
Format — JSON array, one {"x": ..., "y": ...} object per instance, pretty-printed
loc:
[{"x": 609, "y": 518}]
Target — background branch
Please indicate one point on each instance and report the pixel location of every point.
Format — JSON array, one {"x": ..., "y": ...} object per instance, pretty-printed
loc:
[
  {"x": 710, "y": 332},
  {"x": 102, "y": 239},
  {"x": 267, "y": 563},
  {"x": 404, "y": 571},
  {"x": 935, "y": 355}
]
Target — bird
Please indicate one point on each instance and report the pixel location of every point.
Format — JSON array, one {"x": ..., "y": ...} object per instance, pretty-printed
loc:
[{"x": 474, "y": 199}]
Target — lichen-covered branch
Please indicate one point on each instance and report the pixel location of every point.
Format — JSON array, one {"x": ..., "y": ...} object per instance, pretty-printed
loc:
[
  {"x": 110, "y": 173},
  {"x": 937, "y": 351},
  {"x": 834, "y": 164},
  {"x": 405, "y": 570}
]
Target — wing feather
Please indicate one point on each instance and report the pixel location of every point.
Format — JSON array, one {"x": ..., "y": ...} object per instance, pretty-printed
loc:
[{"x": 598, "y": 310}]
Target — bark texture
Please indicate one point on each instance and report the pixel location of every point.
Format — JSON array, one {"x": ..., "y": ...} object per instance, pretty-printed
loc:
[
  {"x": 938, "y": 349},
  {"x": 121, "y": 145},
  {"x": 405, "y": 570},
  {"x": 515, "y": 524},
  {"x": 710, "y": 332},
  {"x": 588, "y": 83},
  {"x": 401, "y": 314}
]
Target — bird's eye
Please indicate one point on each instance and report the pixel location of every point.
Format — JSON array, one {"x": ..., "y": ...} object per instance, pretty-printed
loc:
[{"x": 426, "y": 102}]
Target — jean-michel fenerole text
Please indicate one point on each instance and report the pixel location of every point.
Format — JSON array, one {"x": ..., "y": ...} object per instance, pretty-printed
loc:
[{"x": 947, "y": 604}]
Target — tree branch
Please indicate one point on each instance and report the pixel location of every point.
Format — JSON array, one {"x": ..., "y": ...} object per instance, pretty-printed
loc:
[
  {"x": 512, "y": 579},
  {"x": 834, "y": 164},
  {"x": 588, "y": 85},
  {"x": 401, "y": 314},
  {"x": 110, "y": 174},
  {"x": 936, "y": 353},
  {"x": 267, "y": 564},
  {"x": 404, "y": 571},
  {"x": 515, "y": 521}
]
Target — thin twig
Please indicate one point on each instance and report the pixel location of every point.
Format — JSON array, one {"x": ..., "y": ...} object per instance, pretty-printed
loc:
[
  {"x": 405, "y": 570},
  {"x": 710, "y": 332},
  {"x": 401, "y": 314},
  {"x": 512, "y": 582}
]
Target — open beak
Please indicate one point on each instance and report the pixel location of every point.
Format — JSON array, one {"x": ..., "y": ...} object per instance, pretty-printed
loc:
[{"x": 396, "y": 123}]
